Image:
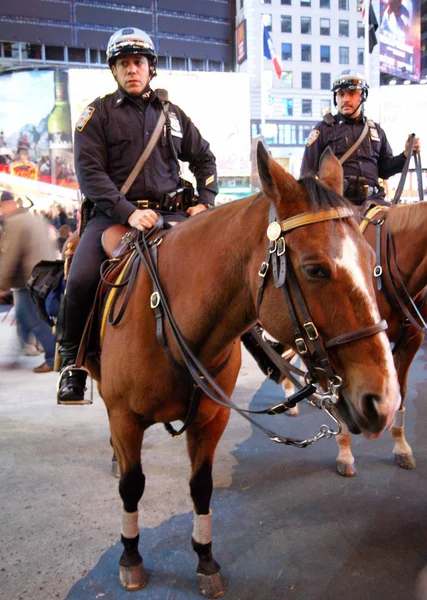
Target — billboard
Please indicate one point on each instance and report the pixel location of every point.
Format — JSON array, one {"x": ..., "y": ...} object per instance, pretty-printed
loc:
[
  {"x": 242, "y": 53},
  {"x": 399, "y": 35},
  {"x": 38, "y": 111}
]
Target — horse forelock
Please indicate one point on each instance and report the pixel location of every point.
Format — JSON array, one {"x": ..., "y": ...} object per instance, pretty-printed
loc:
[
  {"x": 320, "y": 197},
  {"x": 407, "y": 217}
]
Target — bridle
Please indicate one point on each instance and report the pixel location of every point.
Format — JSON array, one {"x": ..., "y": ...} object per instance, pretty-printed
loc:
[
  {"x": 307, "y": 339},
  {"x": 308, "y": 342}
]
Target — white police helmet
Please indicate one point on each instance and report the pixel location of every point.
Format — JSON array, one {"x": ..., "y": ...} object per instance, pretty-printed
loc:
[
  {"x": 351, "y": 80},
  {"x": 131, "y": 41}
]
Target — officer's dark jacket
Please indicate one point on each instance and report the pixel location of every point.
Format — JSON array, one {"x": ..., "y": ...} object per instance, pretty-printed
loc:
[
  {"x": 372, "y": 159},
  {"x": 111, "y": 135}
]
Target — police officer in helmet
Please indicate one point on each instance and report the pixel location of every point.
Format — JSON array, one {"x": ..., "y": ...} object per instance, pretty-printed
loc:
[
  {"x": 371, "y": 160},
  {"x": 110, "y": 136}
]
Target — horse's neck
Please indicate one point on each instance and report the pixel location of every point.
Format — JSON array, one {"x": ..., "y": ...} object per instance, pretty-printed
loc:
[
  {"x": 223, "y": 245},
  {"x": 408, "y": 226}
]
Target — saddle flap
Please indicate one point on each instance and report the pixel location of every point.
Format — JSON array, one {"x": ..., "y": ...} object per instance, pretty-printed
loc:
[{"x": 118, "y": 240}]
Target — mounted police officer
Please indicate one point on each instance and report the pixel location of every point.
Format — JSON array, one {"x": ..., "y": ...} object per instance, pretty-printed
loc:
[
  {"x": 365, "y": 163},
  {"x": 110, "y": 136}
]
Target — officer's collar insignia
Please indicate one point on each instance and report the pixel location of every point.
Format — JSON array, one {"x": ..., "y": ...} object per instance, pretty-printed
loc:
[
  {"x": 84, "y": 118},
  {"x": 312, "y": 137}
]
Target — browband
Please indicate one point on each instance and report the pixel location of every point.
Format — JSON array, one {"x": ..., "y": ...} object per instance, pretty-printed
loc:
[{"x": 316, "y": 217}]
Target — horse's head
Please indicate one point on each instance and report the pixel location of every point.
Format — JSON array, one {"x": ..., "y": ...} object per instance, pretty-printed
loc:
[{"x": 333, "y": 266}]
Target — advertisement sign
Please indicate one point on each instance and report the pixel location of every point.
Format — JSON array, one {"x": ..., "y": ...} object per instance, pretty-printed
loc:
[
  {"x": 400, "y": 33},
  {"x": 242, "y": 53},
  {"x": 35, "y": 124}
]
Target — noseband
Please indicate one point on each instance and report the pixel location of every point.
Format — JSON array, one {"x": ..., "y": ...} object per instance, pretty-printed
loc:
[{"x": 308, "y": 342}]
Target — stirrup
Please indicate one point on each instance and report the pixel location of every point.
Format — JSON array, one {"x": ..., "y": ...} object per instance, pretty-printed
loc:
[{"x": 70, "y": 369}]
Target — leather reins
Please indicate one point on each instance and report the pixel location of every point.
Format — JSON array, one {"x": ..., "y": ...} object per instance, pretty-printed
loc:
[{"x": 307, "y": 339}]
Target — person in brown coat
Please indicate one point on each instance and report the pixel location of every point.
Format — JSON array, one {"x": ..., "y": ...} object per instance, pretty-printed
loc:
[{"x": 24, "y": 243}]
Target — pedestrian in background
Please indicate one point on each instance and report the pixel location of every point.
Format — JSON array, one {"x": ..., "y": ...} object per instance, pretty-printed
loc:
[{"x": 24, "y": 243}]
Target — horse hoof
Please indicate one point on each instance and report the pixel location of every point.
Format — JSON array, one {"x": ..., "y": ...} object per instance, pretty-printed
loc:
[
  {"x": 212, "y": 586},
  {"x": 346, "y": 469},
  {"x": 115, "y": 468},
  {"x": 133, "y": 578},
  {"x": 405, "y": 461}
]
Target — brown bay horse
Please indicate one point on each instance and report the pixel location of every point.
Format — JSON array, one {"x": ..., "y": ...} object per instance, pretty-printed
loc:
[
  {"x": 407, "y": 225},
  {"x": 209, "y": 268}
]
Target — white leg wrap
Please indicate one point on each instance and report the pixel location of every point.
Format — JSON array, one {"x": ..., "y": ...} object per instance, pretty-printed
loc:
[
  {"x": 399, "y": 418},
  {"x": 202, "y": 529},
  {"x": 130, "y": 524}
]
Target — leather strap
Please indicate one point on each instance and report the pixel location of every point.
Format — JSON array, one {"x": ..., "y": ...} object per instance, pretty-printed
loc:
[
  {"x": 364, "y": 332},
  {"x": 316, "y": 217},
  {"x": 355, "y": 146},
  {"x": 405, "y": 169},
  {"x": 147, "y": 151}
]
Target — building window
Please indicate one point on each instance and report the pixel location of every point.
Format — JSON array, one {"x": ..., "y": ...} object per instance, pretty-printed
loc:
[
  {"x": 286, "y": 51},
  {"x": 325, "y": 81},
  {"x": 325, "y": 27},
  {"x": 306, "y": 81},
  {"x": 265, "y": 1},
  {"x": 287, "y": 134},
  {"x": 306, "y": 52},
  {"x": 344, "y": 55},
  {"x": 267, "y": 21},
  {"x": 286, "y": 2},
  {"x": 325, "y": 54},
  {"x": 255, "y": 130},
  {"x": 241, "y": 3},
  {"x": 343, "y": 28},
  {"x": 77, "y": 55},
  {"x": 287, "y": 107},
  {"x": 286, "y": 24},
  {"x": 306, "y": 108},
  {"x": 360, "y": 56},
  {"x": 180, "y": 64},
  {"x": 93, "y": 56},
  {"x": 306, "y": 3},
  {"x": 286, "y": 80},
  {"x": 325, "y": 4},
  {"x": 306, "y": 25},
  {"x": 325, "y": 106},
  {"x": 360, "y": 30},
  {"x": 32, "y": 51},
  {"x": 54, "y": 52},
  {"x": 343, "y": 4}
]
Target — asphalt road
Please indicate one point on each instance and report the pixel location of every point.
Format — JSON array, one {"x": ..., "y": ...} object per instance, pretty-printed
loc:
[{"x": 286, "y": 526}]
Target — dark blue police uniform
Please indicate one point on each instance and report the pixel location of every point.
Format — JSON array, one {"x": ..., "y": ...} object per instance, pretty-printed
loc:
[
  {"x": 373, "y": 159},
  {"x": 110, "y": 136}
]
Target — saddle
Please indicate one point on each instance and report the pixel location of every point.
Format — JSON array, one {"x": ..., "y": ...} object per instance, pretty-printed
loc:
[{"x": 118, "y": 275}]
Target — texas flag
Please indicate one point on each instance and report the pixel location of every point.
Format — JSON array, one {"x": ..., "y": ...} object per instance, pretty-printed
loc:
[{"x": 270, "y": 53}]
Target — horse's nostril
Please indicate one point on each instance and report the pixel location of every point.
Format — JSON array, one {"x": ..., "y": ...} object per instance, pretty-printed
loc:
[{"x": 370, "y": 406}]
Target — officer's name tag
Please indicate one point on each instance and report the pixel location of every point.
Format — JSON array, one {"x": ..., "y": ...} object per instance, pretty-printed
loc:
[{"x": 175, "y": 126}]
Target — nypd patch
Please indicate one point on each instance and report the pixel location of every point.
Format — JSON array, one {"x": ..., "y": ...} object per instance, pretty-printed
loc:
[
  {"x": 312, "y": 137},
  {"x": 84, "y": 118}
]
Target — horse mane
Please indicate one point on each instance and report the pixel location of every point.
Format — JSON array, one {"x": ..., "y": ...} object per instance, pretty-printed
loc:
[
  {"x": 406, "y": 217},
  {"x": 320, "y": 197}
]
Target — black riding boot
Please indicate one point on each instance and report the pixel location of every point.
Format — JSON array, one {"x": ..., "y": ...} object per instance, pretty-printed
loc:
[{"x": 69, "y": 330}]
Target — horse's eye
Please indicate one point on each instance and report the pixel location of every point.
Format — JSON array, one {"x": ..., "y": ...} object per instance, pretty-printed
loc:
[{"x": 316, "y": 271}]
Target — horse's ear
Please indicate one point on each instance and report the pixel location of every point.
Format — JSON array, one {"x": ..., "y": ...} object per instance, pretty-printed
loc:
[
  {"x": 274, "y": 179},
  {"x": 330, "y": 171}
]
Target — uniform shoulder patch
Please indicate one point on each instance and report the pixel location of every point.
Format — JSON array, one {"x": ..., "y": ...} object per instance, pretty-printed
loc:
[
  {"x": 84, "y": 118},
  {"x": 312, "y": 137}
]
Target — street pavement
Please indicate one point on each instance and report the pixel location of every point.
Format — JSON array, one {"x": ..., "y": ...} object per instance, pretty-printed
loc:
[{"x": 285, "y": 525}]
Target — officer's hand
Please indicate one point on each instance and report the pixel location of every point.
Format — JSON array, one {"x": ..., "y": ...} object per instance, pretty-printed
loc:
[
  {"x": 193, "y": 210},
  {"x": 417, "y": 145},
  {"x": 144, "y": 218}
]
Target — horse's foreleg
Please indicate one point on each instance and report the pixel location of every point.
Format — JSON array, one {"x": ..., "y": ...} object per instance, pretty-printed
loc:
[
  {"x": 201, "y": 444},
  {"x": 403, "y": 358},
  {"x": 126, "y": 435},
  {"x": 345, "y": 458}
]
